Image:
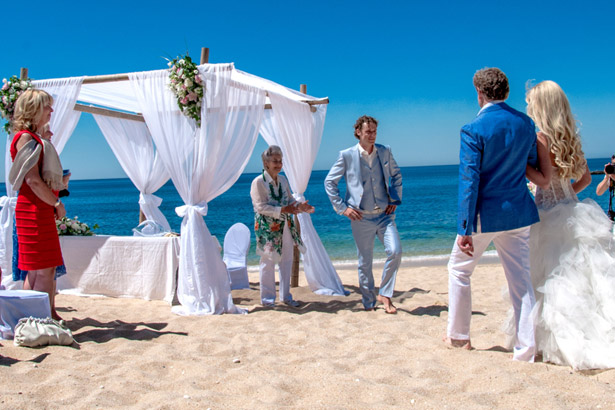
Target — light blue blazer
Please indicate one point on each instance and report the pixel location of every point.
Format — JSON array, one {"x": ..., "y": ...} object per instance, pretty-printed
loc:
[
  {"x": 495, "y": 149},
  {"x": 348, "y": 165}
]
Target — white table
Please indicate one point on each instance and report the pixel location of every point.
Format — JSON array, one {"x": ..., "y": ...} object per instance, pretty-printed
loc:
[{"x": 120, "y": 266}]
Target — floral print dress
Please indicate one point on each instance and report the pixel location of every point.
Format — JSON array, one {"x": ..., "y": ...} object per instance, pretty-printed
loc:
[{"x": 268, "y": 198}]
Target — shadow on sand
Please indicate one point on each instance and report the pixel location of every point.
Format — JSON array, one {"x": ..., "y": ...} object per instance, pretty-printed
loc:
[{"x": 106, "y": 331}]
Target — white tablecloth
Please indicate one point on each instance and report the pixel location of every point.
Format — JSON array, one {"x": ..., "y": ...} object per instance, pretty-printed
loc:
[{"x": 120, "y": 266}]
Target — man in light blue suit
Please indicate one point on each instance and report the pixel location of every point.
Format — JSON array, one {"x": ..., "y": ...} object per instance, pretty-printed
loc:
[
  {"x": 494, "y": 206},
  {"x": 373, "y": 191}
]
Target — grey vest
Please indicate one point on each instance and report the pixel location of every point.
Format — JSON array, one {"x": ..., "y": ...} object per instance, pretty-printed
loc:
[{"x": 374, "y": 187}]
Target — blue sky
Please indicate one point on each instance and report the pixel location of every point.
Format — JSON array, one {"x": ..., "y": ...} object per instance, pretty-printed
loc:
[{"x": 407, "y": 63}]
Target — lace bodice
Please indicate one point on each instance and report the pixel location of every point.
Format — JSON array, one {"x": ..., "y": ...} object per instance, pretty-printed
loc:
[{"x": 560, "y": 190}]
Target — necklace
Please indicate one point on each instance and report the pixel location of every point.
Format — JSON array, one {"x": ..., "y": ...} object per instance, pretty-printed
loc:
[{"x": 278, "y": 197}]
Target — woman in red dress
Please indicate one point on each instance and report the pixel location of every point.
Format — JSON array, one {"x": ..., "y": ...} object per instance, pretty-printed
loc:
[{"x": 36, "y": 178}]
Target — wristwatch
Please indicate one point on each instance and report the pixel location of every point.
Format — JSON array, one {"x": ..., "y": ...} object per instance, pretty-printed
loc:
[{"x": 57, "y": 204}]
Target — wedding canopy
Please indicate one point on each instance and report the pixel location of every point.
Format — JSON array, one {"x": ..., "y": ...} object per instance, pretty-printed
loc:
[{"x": 202, "y": 162}]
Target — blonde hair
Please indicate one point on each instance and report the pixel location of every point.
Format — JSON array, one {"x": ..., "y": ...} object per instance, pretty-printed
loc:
[
  {"x": 29, "y": 110},
  {"x": 548, "y": 106}
]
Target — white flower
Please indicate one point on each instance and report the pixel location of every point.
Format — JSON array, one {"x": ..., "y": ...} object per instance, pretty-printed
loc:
[{"x": 188, "y": 82}]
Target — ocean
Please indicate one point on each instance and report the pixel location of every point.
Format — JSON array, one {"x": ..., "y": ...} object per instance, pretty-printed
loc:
[{"x": 426, "y": 220}]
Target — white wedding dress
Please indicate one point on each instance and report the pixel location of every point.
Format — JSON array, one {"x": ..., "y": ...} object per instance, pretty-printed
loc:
[{"x": 572, "y": 255}]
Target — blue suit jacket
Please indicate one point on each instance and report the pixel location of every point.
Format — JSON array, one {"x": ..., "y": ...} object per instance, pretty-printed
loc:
[
  {"x": 348, "y": 165},
  {"x": 495, "y": 148}
]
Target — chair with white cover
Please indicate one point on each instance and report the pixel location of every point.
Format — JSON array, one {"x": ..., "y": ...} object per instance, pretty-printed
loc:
[
  {"x": 236, "y": 246},
  {"x": 16, "y": 304}
]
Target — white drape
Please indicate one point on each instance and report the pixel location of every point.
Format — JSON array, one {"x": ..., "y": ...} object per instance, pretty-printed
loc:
[
  {"x": 63, "y": 121},
  {"x": 133, "y": 147},
  {"x": 297, "y": 131},
  {"x": 203, "y": 163}
]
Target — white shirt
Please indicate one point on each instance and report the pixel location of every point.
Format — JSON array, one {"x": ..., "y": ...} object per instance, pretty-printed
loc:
[
  {"x": 366, "y": 156},
  {"x": 261, "y": 195}
]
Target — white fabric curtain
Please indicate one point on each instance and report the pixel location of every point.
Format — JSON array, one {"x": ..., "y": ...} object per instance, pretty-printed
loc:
[
  {"x": 297, "y": 131},
  {"x": 203, "y": 163},
  {"x": 133, "y": 147},
  {"x": 63, "y": 122},
  {"x": 8, "y": 203},
  {"x": 64, "y": 118}
]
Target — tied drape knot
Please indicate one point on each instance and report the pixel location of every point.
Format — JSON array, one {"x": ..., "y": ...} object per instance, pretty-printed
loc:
[
  {"x": 149, "y": 199},
  {"x": 200, "y": 208},
  {"x": 299, "y": 197},
  {"x": 8, "y": 200}
]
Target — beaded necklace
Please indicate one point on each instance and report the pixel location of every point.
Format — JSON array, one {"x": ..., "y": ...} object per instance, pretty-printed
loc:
[{"x": 278, "y": 197}]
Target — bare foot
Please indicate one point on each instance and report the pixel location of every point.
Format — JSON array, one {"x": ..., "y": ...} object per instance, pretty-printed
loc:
[
  {"x": 457, "y": 343},
  {"x": 55, "y": 316},
  {"x": 388, "y": 305}
]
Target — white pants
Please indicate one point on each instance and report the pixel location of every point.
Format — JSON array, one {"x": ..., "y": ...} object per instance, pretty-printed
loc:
[
  {"x": 267, "y": 272},
  {"x": 514, "y": 252}
]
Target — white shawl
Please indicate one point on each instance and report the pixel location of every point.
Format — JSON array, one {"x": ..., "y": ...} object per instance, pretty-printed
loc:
[{"x": 27, "y": 157}]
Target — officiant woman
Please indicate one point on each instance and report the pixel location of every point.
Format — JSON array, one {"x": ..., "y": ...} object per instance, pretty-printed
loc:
[
  {"x": 274, "y": 227},
  {"x": 37, "y": 174}
]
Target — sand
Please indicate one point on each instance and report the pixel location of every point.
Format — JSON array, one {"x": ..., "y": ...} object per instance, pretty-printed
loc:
[{"x": 327, "y": 353}]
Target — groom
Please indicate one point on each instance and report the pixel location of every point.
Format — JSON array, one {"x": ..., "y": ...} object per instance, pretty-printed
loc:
[
  {"x": 494, "y": 206},
  {"x": 373, "y": 192}
]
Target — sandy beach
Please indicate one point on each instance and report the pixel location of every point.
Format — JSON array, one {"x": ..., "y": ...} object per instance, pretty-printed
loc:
[{"x": 327, "y": 353}]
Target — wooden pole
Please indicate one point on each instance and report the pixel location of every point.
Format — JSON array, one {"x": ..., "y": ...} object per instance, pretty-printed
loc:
[
  {"x": 23, "y": 73},
  {"x": 204, "y": 55},
  {"x": 108, "y": 113},
  {"x": 108, "y": 78},
  {"x": 294, "y": 276}
]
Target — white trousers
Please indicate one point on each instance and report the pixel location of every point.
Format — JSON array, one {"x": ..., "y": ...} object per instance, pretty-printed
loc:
[
  {"x": 514, "y": 252},
  {"x": 267, "y": 272}
]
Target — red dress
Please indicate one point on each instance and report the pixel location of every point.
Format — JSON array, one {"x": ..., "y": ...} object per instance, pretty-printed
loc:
[{"x": 39, "y": 244}]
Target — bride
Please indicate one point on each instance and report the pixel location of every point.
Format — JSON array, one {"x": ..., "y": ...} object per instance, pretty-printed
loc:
[{"x": 571, "y": 248}]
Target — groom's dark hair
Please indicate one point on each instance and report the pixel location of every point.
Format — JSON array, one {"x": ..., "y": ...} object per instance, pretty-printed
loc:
[{"x": 492, "y": 82}]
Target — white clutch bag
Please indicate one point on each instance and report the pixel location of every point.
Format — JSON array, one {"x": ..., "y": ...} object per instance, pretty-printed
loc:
[{"x": 33, "y": 332}]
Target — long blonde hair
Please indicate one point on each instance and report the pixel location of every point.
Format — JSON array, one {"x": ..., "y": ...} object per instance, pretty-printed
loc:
[
  {"x": 29, "y": 110},
  {"x": 548, "y": 106}
]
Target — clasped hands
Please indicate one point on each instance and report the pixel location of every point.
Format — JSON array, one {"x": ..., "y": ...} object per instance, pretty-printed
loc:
[{"x": 297, "y": 208}]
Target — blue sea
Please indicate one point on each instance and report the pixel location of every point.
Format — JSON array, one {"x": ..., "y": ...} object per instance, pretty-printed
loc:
[{"x": 426, "y": 220}]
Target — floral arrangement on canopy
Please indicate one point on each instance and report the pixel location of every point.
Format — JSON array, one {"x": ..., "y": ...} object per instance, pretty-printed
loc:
[
  {"x": 186, "y": 84},
  {"x": 74, "y": 227},
  {"x": 9, "y": 93}
]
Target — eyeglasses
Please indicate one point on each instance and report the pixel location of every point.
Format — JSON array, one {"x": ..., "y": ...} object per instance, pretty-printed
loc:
[{"x": 275, "y": 161}]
